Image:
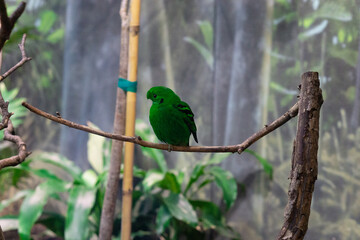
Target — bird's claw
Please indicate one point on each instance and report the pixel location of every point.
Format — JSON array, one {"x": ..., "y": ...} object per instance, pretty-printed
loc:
[{"x": 170, "y": 148}]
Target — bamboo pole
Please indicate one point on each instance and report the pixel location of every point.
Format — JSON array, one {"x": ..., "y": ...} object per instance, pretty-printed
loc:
[
  {"x": 130, "y": 121},
  {"x": 107, "y": 213}
]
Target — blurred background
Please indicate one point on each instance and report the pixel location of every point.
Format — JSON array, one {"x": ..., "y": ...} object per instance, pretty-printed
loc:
[{"x": 237, "y": 63}]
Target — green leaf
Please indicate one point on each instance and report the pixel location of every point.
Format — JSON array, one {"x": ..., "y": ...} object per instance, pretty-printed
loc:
[
  {"x": 95, "y": 150},
  {"x": 266, "y": 165},
  {"x": 163, "y": 218},
  {"x": 341, "y": 35},
  {"x": 59, "y": 161},
  {"x": 333, "y": 10},
  {"x": 195, "y": 175},
  {"x": 227, "y": 183},
  {"x": 207, "y": 32},
  {"x": 180, "y": 208},
  {"x": 9, "y": 223},
  {"x": 217, "y": 158},
  {"x": 170, "y": 182},
  {"x": 47, "y": 20},
  {"x": 152, "y": 178},
  {"x": 33, "y": 204},
  {"x": 349, "y": 56},
  {"x": 205, "y": 53},
  {"x": 81, "y": 200},
  {"x": 55, "y": 222},
  {"x": 210, "y": 214},
  {"x": 17, "y": 196},
  {"x": 90, "y": 178},
  {"x": 56, "y": 36},
  {"x": 319, "y": 28},
  {"x": 198, "y": 170},
  {"x": 307, "y": 22},
  {"x": 277, "y": 87}
]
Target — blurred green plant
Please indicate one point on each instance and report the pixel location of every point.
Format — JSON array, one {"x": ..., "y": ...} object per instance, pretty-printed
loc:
[
  {"x": 166, "y": 201},
  {"x": 85, "y": 192},
  {"x": 14, "y": 106},
  {"x": 204, "y": 49}
]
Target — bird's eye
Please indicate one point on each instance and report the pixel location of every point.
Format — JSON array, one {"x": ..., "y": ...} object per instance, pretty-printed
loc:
[{"x": 155, "y": 95}]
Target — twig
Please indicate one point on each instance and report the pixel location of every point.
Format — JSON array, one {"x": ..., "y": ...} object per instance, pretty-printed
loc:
[
  {"x": 23, "y": 60},
  {"x": 7, "y": 24},
  {"x": 23, "y": 153},
  {"x": 239, "y": 148},
  {"x": 6, "y": 122}
]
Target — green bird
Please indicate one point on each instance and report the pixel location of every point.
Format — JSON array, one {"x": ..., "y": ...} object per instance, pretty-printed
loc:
[{"x": 171, "y": 119}]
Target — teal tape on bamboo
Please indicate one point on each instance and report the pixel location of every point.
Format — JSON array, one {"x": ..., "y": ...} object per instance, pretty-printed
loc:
[{"x": 127, "y": 85}]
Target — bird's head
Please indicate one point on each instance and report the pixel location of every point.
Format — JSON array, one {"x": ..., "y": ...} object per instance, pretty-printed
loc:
[{"x": 162, "y": 94}]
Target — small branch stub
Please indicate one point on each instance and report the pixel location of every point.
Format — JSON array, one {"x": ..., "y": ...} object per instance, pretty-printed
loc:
[{"x": 304, "y": 168}]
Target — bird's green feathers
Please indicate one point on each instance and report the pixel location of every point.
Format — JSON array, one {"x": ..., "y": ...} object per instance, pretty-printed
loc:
[{"x": 171, "y": 119}]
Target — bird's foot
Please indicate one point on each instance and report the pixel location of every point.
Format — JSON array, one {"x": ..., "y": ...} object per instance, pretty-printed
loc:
[{"x": 170, "y": 148}]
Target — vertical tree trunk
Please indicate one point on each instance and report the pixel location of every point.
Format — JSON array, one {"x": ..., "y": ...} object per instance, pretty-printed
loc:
[
  {"x": 108, "y": 210},
  {"x": 304, "y": 160}
]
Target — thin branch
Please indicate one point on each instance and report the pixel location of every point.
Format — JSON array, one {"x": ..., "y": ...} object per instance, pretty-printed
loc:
[
  {"x": 239, "y": 148},
  {"x": 7, "y": 24},
  {"x": 23, "y": 153},
  {"x": 4, "y": 113},
  {"x": 23, "y": 60}
]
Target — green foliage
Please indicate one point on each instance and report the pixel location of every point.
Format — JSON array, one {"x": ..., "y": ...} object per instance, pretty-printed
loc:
[
  {"x": 204, "y": 49},
  {"x": 14, "y": 106},
  {"x": 165, "y": 196},
  {"x": 85, "y": 191}
]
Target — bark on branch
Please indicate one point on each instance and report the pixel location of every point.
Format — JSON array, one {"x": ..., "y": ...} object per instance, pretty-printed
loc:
[
  {"x": 6, "y": 122},
  {"x": 112, "y": 187},
  {"x": 7, "y": 23},
  {"x": 304, "y": 160},
  {"x": 239, "y": 148}
]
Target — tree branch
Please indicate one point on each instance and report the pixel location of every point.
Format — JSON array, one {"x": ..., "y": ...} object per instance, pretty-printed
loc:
[
  {"x": 23, "y": 60},
  {"x": 304, "y": 167},
  {"x": 6, "y": 122},
  {"x": 23, "y": 153},
  {"x": 7, "y": 24},
  {"x": 239, "y": 148}
]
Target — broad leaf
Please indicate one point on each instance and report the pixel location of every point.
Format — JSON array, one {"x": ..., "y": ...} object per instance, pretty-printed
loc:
[
  {"x": 33, "y": 204},
  {"x": 207, "y": 32},
  {"x": 313, "y": 30},
  {"x": 266, "y": 165},
  {"x": 95, "y": 150},
  {"x": 180, "y": 208},
  {"x": 205, "y": 53},
  {"x": 163, "y": 218},
  {"x": 47, "y": 20},
  {"x": 226, "y": 181},
  {"x": 170, "y": 182},
  {"x": 81, "y": 200}
]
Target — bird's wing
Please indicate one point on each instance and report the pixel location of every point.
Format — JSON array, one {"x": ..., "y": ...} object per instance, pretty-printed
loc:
[{"x": 189, "y": 117}]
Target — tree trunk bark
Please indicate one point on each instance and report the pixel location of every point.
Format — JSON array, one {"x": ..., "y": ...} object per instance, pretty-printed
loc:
[{"x": 304, "y": 160}]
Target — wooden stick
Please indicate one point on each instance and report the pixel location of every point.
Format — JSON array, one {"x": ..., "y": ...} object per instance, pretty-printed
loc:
[
  {"x": 130, "y": 121},
  {"x": 239, "y": 148},
  {"x": 108, "y": 210},
  {"x": 304, "y": 168}
]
